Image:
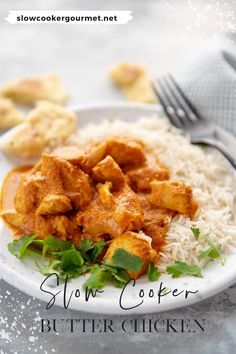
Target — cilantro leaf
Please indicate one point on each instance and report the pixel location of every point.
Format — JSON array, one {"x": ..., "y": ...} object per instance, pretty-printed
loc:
[
  {"x": 74, "y": 272},
  {"x": 59, "y": 256},
  {"x": 97, "y": 250},
  {"x": 153, "y": 272},
  {"x": 49, "y": 267},
  {"x": 119, "y": 275},
  {"x": 120, "y": 278},
  {"x": 125, "y": 260},
  {"x": 106, "y": 273},
  {"x": 86, "y": 244},
  {"x": 196, "y": 232},
  {"x": 65, "y": 259},
  {"x": 212, "y": 252},
  {"x": 49, "y": 244},
  {"x": 71, "y": 259},
  {"x": 179, "y": 268},
  {"x": 52, "y": 244},
  {"x": 19, "y": 247},
  {"x": 97, "y": 279},
  {"x": 91, "y": 250}
]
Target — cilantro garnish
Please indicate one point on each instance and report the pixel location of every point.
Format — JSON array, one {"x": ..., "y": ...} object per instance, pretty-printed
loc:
[
  {"x": 19, "y": 247},
  {"x": 97, "y": 279},
  {"x": 48, "y": 267},
  {"x": 63, "y": 258},
  {"x": 179, "y": 268},
  {"x": 212, "y": 252},
  {"x": 196, "y": 232},
  {"x": 153, "y": 273},
  {"x": 105, "y": 273},
  {"x": 125, "y": 260},
  {"x": 91, "y": 250},
  {"x": 70, "y": 258},
  {"x": 114, "y": 271},
  {"x": 58, "y": 256},
  {"x": 68, "y": 261}
]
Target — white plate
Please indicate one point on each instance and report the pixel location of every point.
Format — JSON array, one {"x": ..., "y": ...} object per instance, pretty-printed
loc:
[{"x": 25, "y": 276}]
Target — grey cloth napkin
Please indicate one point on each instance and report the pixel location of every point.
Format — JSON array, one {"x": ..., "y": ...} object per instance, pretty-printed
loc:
[{"x": 210, "y": 84}]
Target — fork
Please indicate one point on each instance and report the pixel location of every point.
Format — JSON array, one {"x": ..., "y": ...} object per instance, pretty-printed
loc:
[{"x": 183, "y": 115}]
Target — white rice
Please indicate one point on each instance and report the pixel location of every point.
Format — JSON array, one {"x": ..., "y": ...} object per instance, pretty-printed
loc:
[{"x": 210, "y": 175}]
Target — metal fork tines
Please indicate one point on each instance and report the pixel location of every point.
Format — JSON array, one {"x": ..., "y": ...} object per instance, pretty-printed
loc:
[{"x": 183, "y": 115}]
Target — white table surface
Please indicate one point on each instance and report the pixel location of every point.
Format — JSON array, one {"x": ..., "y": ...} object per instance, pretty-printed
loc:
[{"x": 161, "y": 35}]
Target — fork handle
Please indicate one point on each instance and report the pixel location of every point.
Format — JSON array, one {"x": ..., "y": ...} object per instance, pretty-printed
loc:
[{"x": 222, "y": 148}]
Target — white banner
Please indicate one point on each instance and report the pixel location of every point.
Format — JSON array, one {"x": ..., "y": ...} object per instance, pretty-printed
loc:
[{"x": 70, "y": 17}]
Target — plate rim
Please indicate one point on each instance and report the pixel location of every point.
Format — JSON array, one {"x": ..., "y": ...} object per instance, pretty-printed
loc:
[{"x": 25, "y": 285}]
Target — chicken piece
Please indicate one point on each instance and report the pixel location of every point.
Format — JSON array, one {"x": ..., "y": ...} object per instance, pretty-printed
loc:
[
  {"x": 36, "y": 184},
  {"x": 26, "y": 224},
  {"x": 104, "y": 194},
  {"x": 73, "y": 154},
  {"x": 36, "y": 88},
  {"x": 108, "y": 170},
  {"x": 136, "y": 245},
  {"x": 76, "y": 184},
  {"x": 9, "y": 114},
  {"x": 63, "y": 178},
  {"x": 125, "y": 151},
  {"x": 94, "y": 154},
  {"x": 141, "y": 176},
  {"x": 97, "y": 220},
  {"x": 128, "y": 212},
  {"x": 46, "y": 126},
  {"x": 54, "y": 204},
  {"x": 134, "y": 82},
  {"x": 64, "y": 227},
  {"x": 84, "y": 157},
  {"x": 51, "y": 172},
  {"x": 121, "y": 213},
  {"x": 56, "y": 188},
  {"x": 27, "y": 195},
  {"x": 173, "y": 195},
  {"x": 156, "y": 222}
]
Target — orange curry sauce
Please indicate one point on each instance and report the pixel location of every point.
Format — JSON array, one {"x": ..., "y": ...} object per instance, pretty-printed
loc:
[{"x": 111, "y": 190}]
